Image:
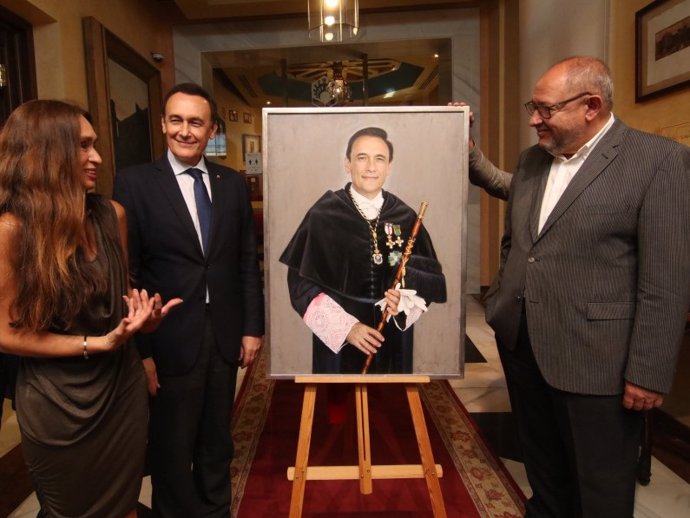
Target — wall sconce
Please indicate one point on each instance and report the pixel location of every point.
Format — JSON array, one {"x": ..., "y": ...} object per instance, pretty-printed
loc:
[{"x": 333, "y": 20}]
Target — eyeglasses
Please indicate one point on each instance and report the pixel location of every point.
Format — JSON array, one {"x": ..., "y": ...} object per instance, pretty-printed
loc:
[{"x": 546, "y": 111}]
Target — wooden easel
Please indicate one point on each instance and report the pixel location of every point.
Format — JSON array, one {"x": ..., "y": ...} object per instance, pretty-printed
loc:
[{"x": 365, "y": 472}]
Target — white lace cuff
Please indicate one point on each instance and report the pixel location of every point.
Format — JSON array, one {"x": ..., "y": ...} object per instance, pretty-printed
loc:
[{"x": 329, "y": 321}]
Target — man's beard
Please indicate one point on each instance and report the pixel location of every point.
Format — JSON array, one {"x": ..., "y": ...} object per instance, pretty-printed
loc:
[{"x": 563, "y": 144}]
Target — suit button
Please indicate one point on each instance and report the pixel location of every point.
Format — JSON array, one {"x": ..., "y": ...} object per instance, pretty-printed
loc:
[
  {"x": 531, "y": 259},
  {"x": 518, "y": 298}
]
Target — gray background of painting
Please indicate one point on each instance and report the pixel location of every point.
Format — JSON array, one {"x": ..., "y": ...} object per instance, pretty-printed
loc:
[{"x": 304, "y": 150}]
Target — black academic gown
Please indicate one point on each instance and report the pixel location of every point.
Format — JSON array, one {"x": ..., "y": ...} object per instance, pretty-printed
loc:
[{"x": 331, "y": 252}]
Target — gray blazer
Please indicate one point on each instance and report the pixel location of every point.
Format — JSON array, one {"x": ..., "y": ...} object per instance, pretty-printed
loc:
[
  {"x": 484, "y": 174},
  {"x": 605, "y": 286}
]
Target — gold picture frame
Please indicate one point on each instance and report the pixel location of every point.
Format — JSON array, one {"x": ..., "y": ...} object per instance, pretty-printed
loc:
[
  {"x": 662, "y": 38},
  {"x": 102, "y": 49}
]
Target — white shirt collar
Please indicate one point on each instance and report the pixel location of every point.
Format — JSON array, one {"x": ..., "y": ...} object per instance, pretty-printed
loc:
[
  {"x": 591, "y": 143},
  {"x": 179, "y": 167},
  {"x": 371, "y": 207}
]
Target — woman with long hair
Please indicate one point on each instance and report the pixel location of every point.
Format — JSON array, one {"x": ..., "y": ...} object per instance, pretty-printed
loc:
[{"x": 66, "y": 311}]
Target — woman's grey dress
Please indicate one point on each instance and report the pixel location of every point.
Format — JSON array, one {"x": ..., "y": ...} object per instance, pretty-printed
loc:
[{"x": 84, "y": 421}]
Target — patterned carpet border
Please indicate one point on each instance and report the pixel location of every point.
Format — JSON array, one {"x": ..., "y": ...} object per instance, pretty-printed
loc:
[
  {"x": 493, "y": 491},
  {"x": 249, "y": 417}
]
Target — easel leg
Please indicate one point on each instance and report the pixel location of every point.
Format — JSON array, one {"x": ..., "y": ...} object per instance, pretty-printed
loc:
[
  {"x": 425, "y": 452},
  {"x": 300, "y": 481},
  {"x": 363, "y": 440}
]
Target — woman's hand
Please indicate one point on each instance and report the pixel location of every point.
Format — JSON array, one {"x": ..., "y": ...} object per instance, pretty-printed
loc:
[
  {"x": 139, "y": 310},
  {"x": 159, "y": 312}
]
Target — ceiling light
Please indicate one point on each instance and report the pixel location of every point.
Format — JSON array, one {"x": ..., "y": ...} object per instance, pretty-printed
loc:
[
  {"x": 333, "y": 20},
  {"x": 331, "y": 89}
]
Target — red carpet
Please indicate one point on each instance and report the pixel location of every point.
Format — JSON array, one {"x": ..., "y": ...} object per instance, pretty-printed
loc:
[{"x": 266, "y": 426}]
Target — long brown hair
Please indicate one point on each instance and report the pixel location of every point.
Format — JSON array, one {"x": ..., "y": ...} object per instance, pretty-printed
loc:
[{"x": 41, "y": 185}]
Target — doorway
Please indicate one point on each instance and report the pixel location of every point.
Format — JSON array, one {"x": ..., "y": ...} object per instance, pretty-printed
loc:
[{"x": 17, "y": 63}]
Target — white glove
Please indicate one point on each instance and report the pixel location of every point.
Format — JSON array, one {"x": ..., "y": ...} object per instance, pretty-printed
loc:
[{"x": 410, "y": 304}]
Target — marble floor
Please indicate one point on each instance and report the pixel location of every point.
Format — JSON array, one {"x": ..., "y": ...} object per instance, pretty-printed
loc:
[{"x": 483, "y": 392}]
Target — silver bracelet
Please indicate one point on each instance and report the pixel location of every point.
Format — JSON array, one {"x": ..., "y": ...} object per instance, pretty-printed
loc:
[{"x": 85, "y": 344}]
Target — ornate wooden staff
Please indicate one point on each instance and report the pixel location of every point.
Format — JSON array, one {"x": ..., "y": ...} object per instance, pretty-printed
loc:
[{"x": 401, "y": 272}]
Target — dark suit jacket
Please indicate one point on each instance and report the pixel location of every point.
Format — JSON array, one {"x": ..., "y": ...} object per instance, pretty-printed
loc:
[
  {"x": 166, "y": 257},
  {"x": 605, "y": 285}
]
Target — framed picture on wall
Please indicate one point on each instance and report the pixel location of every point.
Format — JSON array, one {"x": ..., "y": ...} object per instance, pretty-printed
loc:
[
  {"x": 247, "y": 117},
  {"x": 251, "y": 144},
  {"x": 662, "y": 34},
  {"x": 124, "y": 92}
]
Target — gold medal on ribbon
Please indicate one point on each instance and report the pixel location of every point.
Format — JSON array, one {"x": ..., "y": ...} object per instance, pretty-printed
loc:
[
  {"x": 396, "y": 229},
  {"x": 388, "y": 227}
]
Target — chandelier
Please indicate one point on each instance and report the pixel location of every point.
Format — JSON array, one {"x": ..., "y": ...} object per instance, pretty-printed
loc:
[
  {"x": 333, "y": 20},
  {"x": 331, "y": 89},
  {"x": 337, "y": 87},
  {"x": 339, "y": 91}
]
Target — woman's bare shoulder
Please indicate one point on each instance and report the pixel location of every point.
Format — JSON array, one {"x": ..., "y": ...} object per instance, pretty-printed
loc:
[{"x": 119, "y": 209}]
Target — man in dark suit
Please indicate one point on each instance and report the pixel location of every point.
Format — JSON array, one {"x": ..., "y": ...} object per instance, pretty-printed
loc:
[
  {"x": 191, "y": 235},
  {"x": 590, "y": 301}
]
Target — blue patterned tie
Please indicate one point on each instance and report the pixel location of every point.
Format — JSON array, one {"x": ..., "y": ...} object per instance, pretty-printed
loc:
[{"x": 203, "y": 205}]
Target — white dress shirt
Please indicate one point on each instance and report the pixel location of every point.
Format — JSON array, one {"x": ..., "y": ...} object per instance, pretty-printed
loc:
[
  {"x": 370, "y": 208},
  {"x": 186, "y": 183},
  {"x": 563, "y": 170}
]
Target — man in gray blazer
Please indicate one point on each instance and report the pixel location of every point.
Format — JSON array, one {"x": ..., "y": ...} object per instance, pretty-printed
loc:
[{"x": 590, "y": 301}]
